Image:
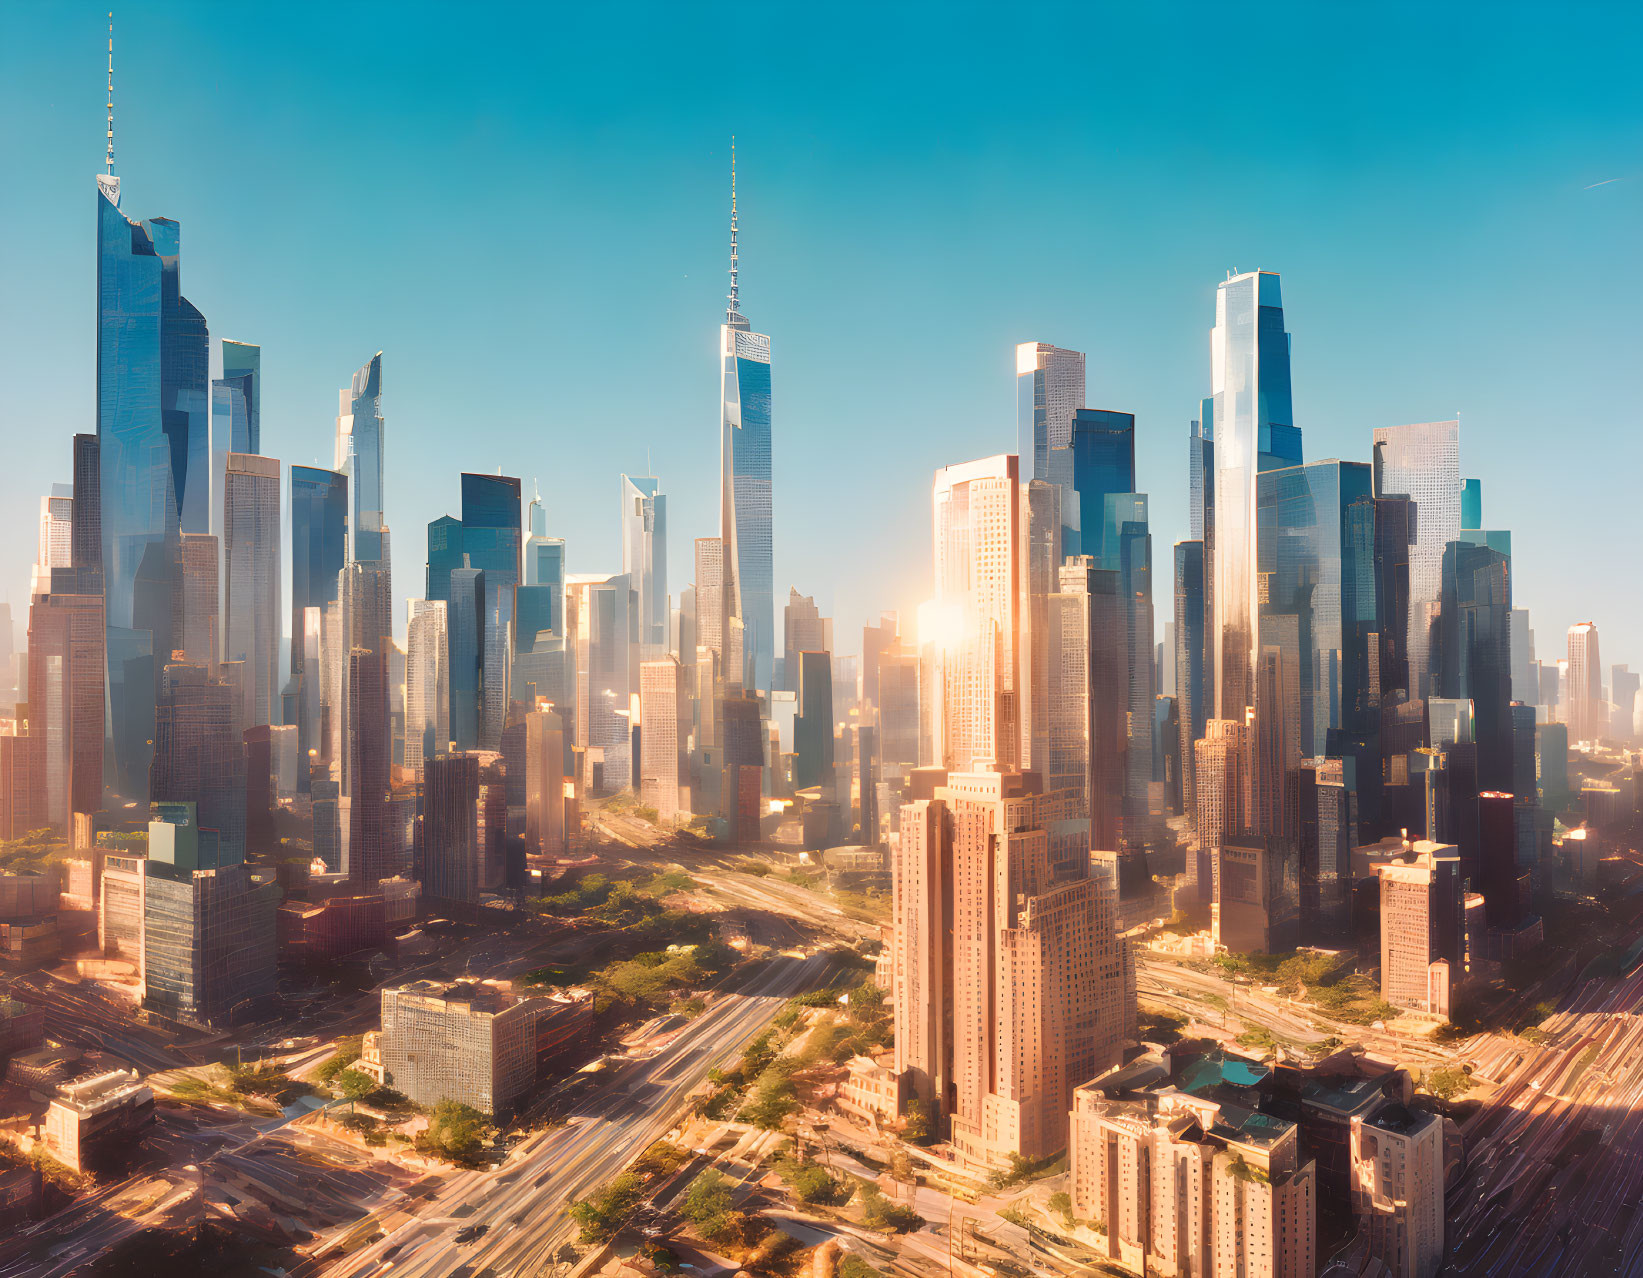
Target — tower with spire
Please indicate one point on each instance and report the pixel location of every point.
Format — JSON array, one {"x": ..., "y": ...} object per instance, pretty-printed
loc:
[{"x": 745, "y": 512}]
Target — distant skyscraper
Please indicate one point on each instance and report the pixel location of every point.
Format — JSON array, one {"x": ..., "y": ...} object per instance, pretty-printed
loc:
[
  {"x": 451, "y": 860},
  {"x": 813, "y": 728},
  {"x": 319, "y": 543},
  {"x": 1049, "y": 389},
  {"x": 374, "y": 848},
  {"x": 1586, "y": 714},
  {"x": 804, "y": 629},
  {"x": 664, "y": 719},
  {"x": 1088, "y": 677},
  {"x": 710, "y": 595},
  {"x": 198, "y": 626},
  {"x": 236, "y": 427},
  {"x": 491, "y": 541},
  {"x": 1100, "y": 460},
  {"x": 744, "y": 482},
  {"x": 153, "y": 369},
  {"x": 644, "y": 556},
  {"x": 251, "y": 576},
  {"x": 360, "y": 449},
  {"x": 1254, "y": 430},
  {"x": 1190, "y": 690},
  {"x": 427, "y": 682},
  {"x": 978, "y": 558},
  {"x": 56, "y": 546},
  {"x": 1473, "y": 659},
  {"x": 607, "y": 670},
  {"x": 199, "y": 755},
  {"x": 1422, "y": 462}
]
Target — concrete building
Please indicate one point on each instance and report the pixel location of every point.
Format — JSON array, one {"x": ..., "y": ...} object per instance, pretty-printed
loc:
[
  {"x": 1012, "y": 983},
  {"x": 1422, "y": 930},
  {"x": 469, "y": 1042},
  {"x": 451, "y": 852},
  {"x": 1586, "y": 712},
  {"x": 549, "y": 808},
  {"x": 1398, "y": 1190},
  {"x": 1224, "y": 795},
  {"x": 664, "y": 735},
  {"x": 1188, "y": 1175},
  {"x": 89, "y": 1115}
]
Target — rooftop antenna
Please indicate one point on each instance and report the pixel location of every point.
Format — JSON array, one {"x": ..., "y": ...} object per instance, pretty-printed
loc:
[
  {"x": 733, "y": 296},
  {"x": 111, "y": 94}
]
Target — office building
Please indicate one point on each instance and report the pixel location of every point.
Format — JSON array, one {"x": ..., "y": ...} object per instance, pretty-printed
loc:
[
  {"x": 741, "y": 777},
  {"x": 1473, "y": 659},
  {"x": 1087, "y": 652},
  {"x": 601, "y": 619},
  {"x": 813, "y": 726},
  {"x": 664, "y": 731},
  {"x": 96, "y": 1115},
  {"x": 319, "y": 550},
  {"x": 427, "y": 682},
  {"x": 251, "y": 580},
  {"x": 1178, "y": 1157},
  {"x": 1099, "y": 462},
  {"x": 65, "y": 690},
  {"x": 1225, "y": 801},
  {"x": 744, "y": 484},
  {"x": 1253, "y": 430},
  {"x": 199, "y": 754},
  {"x": 153, "y": 367},
  {"x": 922, "y": 886},
  {"x": 361, "y": 441},
  {"x": 492, "y": 542},
  {"x": 710, "y": 596},
  {"x": 1422, "y": 463},
  {"x": 804, "y": 629},
  {"x": 644, "y": 557},
  {"x": 549, "y": 810},
  {"x": 375, "y": 848},
  {"x": 1423, "y": 938},
  {"x": 1049, "y": 390},
  {"x": 451, "y": 852},
  {"x": 472, "y": 1042},
  {"x": 1398, "y": 1188},
  {"x": 1585, "y": 712}
]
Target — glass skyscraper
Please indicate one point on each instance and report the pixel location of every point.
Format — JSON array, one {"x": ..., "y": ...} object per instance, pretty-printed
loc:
[
  {"x": 1049, "y": 385},
  {"x": 1422, "y": 462},
  {"x": 1253, "y": 430},
  {"x": 359, "y": 455},
  {"x": 153, "y": 447},
  {"x": 1098, "y": 458},
  {"x": 492, "y": 538},
  {"x": 644, "y": 556},
  {"x": 744, "y": 484},
  {"x": 319, "y": 544}
]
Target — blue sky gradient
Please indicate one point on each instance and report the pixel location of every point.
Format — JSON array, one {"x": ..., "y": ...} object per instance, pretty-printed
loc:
[{"x": 525, "y": 209}]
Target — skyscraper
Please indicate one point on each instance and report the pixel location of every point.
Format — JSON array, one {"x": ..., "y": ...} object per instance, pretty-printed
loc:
[
  {"x": 319, "y": 543},
  {"x": 607, "y": 671},
  {"x": 251, "y": 577},
  {"x": 813, "y": 728},
  {"x": 1254, "y": 431},
  {"x": 1190, "y": 689},
  {"x": 710, "y": 595},
  {"x": 804, "y": 629},
  {"x": 744, "y": 482},
  {"x": 374, "y": 848},
  {"x": 360, "y": 448},
  {"x": 236, "y": 427},
  {"x": 427, "y": 682},
  {"x": 1422, "y": 462},
  {"x": 644, "y": 557},
  {"x": 975, "y": 692},
  {"x": 450, "y": 829},
  {"x": 1586, "y": 714},
  {"x": 491, "y": 541},
  {"x": 1049, "y": 385},
  {"x": 1100, "y": 460},
  {"x": 664, "y": 718},
  {"x": 153, "y": 367}
]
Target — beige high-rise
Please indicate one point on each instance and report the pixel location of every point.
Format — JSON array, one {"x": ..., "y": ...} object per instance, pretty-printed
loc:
[
  {"x": 664, "y": 729},
  {"x": 1397, "y": 1188},
  {"x": 1587, "y": 715}
]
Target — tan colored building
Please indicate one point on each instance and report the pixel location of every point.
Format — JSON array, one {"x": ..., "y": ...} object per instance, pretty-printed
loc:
[
  {"x": 1397, "y": 1188},
  {"x": 90, "y": 1113},
  {"x": 664, "y": 731},
  {"x": 872, "y": 1091},
  {"x": 1186, "y": 1177},
  {"x": 1423, "y": 928},
  {"x": 1010, "y": 983},
  {"x": 473, "y": 1042}
]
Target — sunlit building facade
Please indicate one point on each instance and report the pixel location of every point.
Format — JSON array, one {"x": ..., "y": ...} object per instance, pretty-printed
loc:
[
  {"x": 1422, "y": 462},
  {"x": 644, "y": 556},
  {"x": 360, "y": 449}
]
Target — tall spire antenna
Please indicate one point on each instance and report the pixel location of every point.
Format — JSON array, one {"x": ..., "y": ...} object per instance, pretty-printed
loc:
[
  {"x": 733, "y": 297},
  {"x": 111, "y": 94}
]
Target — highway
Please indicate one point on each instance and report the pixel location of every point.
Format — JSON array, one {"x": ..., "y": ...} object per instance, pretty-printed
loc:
[
  {"x": 523, "y": 1205},
  {"x": 1555, "y": 1177}
]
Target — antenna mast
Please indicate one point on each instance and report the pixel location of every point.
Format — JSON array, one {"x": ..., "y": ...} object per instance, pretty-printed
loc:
[
  {"x": 733, "y": 297},
  {"x": 111, "y": 94}
]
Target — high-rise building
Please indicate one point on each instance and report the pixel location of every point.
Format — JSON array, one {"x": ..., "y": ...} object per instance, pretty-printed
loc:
[
  {"x": 664, "y": 731},
  {"x": 375, "y": 850},
  {"x": 360, "y": 450},
  {"x": 745, "y": 517},
  {"x": 56, "y": 544},
  {"x": 710, "y": 595},
  {"x": 975, "y": 690},
  {"x": 804, "y": 629},
  {"x": 451, "y": 855},
  {"x": 1225, "y": 799},
  {"x": 1192, "y": 705},
  {"x": 549, "y": 812},
  {"x": 1041, "y": 987},
  {"x": 1525, "y": 669},
  {"x": 1049, "y": 390},
  {"x": 465, "y": 620},
  {"x": 1398, "y": 1188},
  {"x": 1473, "y": 658},
  {"x": 1254, "y": 430},
  {"x": 491, "y": 541},
  {"x": 742, "y": 749},
  {"x": 601, "y": 618},
  {"x": 1089, "y": 696},
  {"x": 1423, "y": 937},
  {"x": 86, "y": 535},
  {"x": 153, "y": 369},
  {"x": 427, "y": 682},
  {"x": 644, "y": 557},
  {"x": 1422, "y": 462},
  {"x": 197, "y": 626},
  {"x": 251, "y": 579},
  {"x": 1100, "y": 460},
  {"x": 1623, "y": 689},
  {"x": 813, "y": 726},
  {"x": 65, "y": 700},
  {"x": 1586, "y": 712},
  {"x": 922, "y": 886},
  {"x": 199, "y": 755}
]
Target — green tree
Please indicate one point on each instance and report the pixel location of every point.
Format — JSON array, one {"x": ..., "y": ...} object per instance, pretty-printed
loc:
[
  {"x": 602, "y": 1214},
  {"x": 1061, "y": 1203},
  {"x": 356, "y": 1085},
  {"x": 711, "y": 1208},
  {"x": 455, "y": 1132}
]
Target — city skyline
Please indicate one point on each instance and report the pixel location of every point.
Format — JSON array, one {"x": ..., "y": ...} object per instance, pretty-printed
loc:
[{"x": 951, "y": 400}]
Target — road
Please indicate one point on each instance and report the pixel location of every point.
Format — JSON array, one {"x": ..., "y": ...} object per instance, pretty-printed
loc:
[
  {"x": 523, "y": 1206},
  {"x": 1554, "y": 1183}
]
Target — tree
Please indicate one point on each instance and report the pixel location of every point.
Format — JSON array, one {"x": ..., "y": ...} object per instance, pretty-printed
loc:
[
  {"x": 602, "y": 1214},
  {"x": 1061, "y": 1203},
  {"x": 773, "y": 1097},
  {"x": 711, "y": 1208},
  {"x": 915, "y": 1122},
  {"x": 356, "y": 1085},
  {"x": 455, "y": 1132}
]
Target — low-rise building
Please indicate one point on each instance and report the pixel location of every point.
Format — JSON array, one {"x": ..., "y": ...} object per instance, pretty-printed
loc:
[
  {"x": 91, "y": 1114},
  {"x": 1186, "y": 1174},
  {"x": 473, "y": 1042},
  {"x": 871, "y": 1091},
  {"x": 22, "y": 1026},
  {"x": 1397, "y": 1188}
]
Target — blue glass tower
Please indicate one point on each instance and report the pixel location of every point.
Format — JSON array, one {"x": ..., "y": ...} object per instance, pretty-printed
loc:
[
  {"x": 1100, "y": 459},
  {"x": 319, "y": 543},
  {"x": 492, "y": 537},
  {"x": 744, "y": 485},
  {"x": 361, "y": 436},
  {"x": 153, "y": 447}
]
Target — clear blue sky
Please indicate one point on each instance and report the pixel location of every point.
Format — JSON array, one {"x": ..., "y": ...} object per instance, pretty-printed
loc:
[{"x": 526, "y": 211}]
